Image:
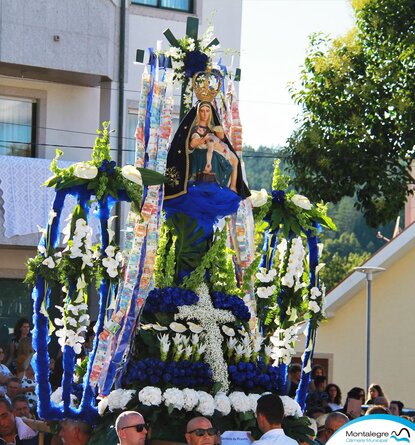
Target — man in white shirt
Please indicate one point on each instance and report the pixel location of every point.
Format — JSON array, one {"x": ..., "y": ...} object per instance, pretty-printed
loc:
[{"x": 270, "y": 412}]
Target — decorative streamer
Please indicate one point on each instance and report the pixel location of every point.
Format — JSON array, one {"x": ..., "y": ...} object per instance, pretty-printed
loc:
[{"x": 152, "y": 137}]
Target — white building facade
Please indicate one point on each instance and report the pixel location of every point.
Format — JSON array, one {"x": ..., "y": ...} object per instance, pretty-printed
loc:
[{"x": 66, "y": 66}]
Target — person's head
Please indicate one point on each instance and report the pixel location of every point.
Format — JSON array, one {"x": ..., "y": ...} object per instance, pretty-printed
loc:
[
  {"x": 21, "y": 328},
  {"x": 204, "y": 113},
  {"x": 75, "y": 432},
  {"x": 7, "y": 420},
  {"x": 320, "y": 383},
  {"x": 13, "y": 387},
  {"x": 20, "y": 406},
  {"x": 357, "y": 394},
  {"x": 334, "y": 421},
  {"x": 316, "y": 411},
  {"x": 200, "y": 431},
  {"x": 396, "y": 407},
  {"x": 335, "y": 395},
  {"x": 316, "y": 371},
  {"x": 269, "y": 412},
  {"x": 377, "y": 409},
  {"x": 131, "y": 428},
  {"x": 375, "y": 391},
  {"x": 1, "y": 354},
  {"x": 295, "y": 372}
]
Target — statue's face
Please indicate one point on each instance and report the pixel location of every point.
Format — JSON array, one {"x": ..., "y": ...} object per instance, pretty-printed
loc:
[{"x": 204, "y": 113}]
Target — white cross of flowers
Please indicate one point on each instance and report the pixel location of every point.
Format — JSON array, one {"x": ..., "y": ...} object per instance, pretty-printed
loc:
[{"x": 210, "y": 319}]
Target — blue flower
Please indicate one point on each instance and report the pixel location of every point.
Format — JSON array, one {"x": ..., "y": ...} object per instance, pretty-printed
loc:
[
  {"x": 107, "y": 166},
  {"x": 278, "y": 196},
  {"x": 233, "y": 303},
  {"x": 194, "y": 62},
  {"x": 168, "y": 299}
]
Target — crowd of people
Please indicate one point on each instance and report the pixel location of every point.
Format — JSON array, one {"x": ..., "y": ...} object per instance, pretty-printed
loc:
[{"x": 325, "y": 406}]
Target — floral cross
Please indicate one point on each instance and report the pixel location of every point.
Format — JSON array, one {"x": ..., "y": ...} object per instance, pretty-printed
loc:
[{"x": 210, "y": 319}]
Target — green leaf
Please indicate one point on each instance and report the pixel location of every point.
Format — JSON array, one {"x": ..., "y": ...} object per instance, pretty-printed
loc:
[
  {"x": 71, "y": 181},
  {"x": 189, "y": 248},
  {"x": 151, "y": 177},
  {"x": 51, "y": 182}
]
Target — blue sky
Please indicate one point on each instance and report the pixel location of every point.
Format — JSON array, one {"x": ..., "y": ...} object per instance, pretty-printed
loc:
[{"x": 274, "y": 41}]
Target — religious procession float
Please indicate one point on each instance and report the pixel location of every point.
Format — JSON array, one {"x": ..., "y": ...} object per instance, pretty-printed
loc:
[{"x": 200, "y": 312}]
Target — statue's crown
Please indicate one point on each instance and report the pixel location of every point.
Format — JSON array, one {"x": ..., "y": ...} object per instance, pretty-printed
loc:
[{"x": 206, "y": 84}]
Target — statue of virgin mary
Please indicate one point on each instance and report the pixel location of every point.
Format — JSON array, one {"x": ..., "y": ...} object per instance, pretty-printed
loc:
[{"x": 204, "y": 170}]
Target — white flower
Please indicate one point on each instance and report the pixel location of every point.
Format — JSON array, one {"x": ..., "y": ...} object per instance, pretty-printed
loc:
[
  {"x": 206, "y": 405},
  {"x": 84, "y": 170},
  {"x": 253, "y": 401},
  {"x": 177, "y": 327},
  {"x": 102, "y": 406},
  {"x": 111, "y": 232},
  {"x": 313, "y": 306},
  {"x": 159, "y": 328},
  {"x": 56, "y": 398},
  {"x": 190, "y": 399},
  {"x": 307, "y": 368},
  {"x": 266, "y": 277},
  {"x": 319, "y": 267},
  {"x": 119, "y": 398},
  {"x": 228, "y": 331},
  {"x": 49, "y": 262},
  {"x": 291, "y": 407},
  {"x": 301, "y": 201},
  {"x": 110, "y": 251},
  {"x": 287, "y": 280},
  {"x": 132, "y": 174},
  {"x": 315, "y": 293},
  {"x": 173, "y": 397},
  {"x": 265, "y": 292},
  {"x": 41, "y": 249},
  {"x": 258, "y": 199},
  {"x": 222, "y": 403},
  {"x": 240, "y": 402},
  {"x": 150, "y": 396},
  {"x": 52, "y": 215},
  {"x": 195, "y": 328}
]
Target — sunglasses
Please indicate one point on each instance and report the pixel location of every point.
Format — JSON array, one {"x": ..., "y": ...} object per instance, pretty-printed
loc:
[
  {"x": 202, "y": 431},
  {"x": 139, "y": 428}
]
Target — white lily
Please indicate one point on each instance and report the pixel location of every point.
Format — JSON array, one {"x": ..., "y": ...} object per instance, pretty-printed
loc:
[
  {"x": 301, "y": 201},
  {"x": 132, "y": 174},
  {"x": 258, "y": 198},
  {"x": 85, "y": 171},
  {"x": 177, "y": 327}
]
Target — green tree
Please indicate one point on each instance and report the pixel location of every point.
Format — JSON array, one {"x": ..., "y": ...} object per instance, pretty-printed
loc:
[
  {"x": 357, "y": 131},
  {"x": 259, "y": 165}
]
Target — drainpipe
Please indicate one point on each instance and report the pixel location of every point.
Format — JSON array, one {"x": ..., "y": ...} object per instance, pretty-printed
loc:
[{"x": 121, "y": 76}]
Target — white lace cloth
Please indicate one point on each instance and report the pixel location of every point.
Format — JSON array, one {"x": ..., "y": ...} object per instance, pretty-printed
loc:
[{"x": 26, "y": 204}]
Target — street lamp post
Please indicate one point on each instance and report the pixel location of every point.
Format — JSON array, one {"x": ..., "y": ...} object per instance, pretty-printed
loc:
[{"x": 369, "y": 272}]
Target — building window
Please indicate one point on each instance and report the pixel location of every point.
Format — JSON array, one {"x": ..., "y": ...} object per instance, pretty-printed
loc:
[
  {"x": 15, "y": 301},
  {"x": 17, "y": 126},
  {"x": 178, "y": 5}
]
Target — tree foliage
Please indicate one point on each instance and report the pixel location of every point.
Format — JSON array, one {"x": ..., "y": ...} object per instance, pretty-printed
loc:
[
  {"x": 259, "y": 165},
  {"x": 357, "y": 130}
]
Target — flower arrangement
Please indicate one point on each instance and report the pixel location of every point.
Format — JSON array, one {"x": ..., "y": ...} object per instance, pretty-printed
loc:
[
  {"x": 169, "y": 299},
  {"x": 192, "y": 55}
]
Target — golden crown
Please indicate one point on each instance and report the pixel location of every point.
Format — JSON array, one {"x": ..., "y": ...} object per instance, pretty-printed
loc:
[{"x": 206, "y": 84}]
